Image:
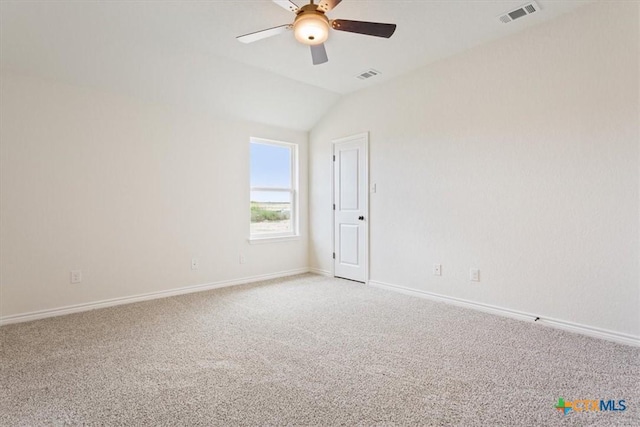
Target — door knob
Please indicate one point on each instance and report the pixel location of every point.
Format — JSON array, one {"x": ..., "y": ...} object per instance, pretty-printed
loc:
[{"x": 361, "y": 218}]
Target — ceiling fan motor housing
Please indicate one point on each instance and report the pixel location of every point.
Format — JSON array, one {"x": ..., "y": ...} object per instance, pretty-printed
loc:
[{"x": 311, "y": 27}]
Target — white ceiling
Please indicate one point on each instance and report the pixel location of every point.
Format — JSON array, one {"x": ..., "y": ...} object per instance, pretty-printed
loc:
[{"x": 185, "y": 52}]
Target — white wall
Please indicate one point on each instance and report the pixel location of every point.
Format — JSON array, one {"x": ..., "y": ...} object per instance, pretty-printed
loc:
[
  {"x": 520, "y": 158},
  {"x": 126, "y": 191}
]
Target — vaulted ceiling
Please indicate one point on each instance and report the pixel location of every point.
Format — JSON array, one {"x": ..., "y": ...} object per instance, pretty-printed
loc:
[{"x": 185, "y": 52}]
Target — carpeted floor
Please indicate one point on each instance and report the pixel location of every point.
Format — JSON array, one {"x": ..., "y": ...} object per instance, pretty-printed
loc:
[{"x": 307, "y": 350}]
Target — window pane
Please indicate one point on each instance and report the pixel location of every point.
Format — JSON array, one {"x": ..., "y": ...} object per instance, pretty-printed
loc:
[
  {"x": 271, "y": 212},
  {"x": 270, "y": 166}
]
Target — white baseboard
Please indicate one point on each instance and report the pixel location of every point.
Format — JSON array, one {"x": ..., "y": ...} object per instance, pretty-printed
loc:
[
  {"x": 320, "y": 272},
  {"x": 60, "y": 311},
  {"x": 515, "y": 314}
]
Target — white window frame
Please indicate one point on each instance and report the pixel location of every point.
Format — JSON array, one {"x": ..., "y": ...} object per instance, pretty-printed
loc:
[{"x": 292, "y": 190}]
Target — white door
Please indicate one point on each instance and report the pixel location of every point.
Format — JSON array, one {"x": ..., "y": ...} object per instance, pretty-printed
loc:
[{"x": 351, "y": 207}]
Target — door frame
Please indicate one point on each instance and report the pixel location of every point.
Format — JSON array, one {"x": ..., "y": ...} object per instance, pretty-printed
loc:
[{"x": 334, "y": 143}]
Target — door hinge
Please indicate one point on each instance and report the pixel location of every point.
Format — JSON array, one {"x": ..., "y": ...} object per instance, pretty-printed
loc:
[
  {"x": 334, "y": 157},
  {"x": 334, "y": 206},
  {"x": 334, "y": 255}
]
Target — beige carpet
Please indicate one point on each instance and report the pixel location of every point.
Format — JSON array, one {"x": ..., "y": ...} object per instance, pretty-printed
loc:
[{"x": 308, "y": 350}]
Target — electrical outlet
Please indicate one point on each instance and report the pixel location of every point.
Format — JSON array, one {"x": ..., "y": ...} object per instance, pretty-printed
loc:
[
  {"x": 195, "y": 263},
  {"x": 437, "y": 269},
  {"x": 242, "y": 259},
  {"x": 474, "y": 275},
  {"x": 76, "y": 276}
]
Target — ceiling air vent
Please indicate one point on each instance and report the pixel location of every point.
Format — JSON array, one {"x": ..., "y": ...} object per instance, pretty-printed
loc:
[
  {"x": 525, "y": 10},
  {"x": 368, "y": 74}
]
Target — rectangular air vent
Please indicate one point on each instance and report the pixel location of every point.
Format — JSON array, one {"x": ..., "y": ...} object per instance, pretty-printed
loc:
[
  {"x": 525, "y": 10},
  {"x": 368, "y": 74}
]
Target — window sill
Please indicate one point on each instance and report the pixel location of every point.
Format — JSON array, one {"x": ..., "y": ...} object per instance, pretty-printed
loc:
[{"x": 275, "y": 239}]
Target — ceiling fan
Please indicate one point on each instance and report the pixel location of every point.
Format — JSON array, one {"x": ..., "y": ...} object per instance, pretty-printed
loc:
[{"x": 311, "y": 27}]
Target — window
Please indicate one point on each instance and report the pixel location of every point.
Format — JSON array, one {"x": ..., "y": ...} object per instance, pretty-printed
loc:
[{"x": 274, "y": 181}]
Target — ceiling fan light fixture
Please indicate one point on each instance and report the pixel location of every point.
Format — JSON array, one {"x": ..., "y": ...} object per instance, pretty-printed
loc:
[{"x": 311, "y": 28}]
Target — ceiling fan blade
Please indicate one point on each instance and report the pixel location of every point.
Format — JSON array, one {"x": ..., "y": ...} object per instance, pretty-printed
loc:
[
  {"x": 327, "y": 5},
  {"x": 318, "y": 54},
  {"x": 286, "y": 4},
  {"x": 263, "y": 34},
  {"x": 361, "y": 27}
]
